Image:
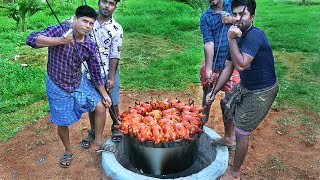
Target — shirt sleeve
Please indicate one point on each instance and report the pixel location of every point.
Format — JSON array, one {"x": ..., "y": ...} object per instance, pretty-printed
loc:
[
  {"x": 116, "y": 44},
  {"x": 94, "y": 66},
  {"x": 51, "y": 31},
  {"x": 205, "y": 29},
  {"x": 252, "y": 42}
]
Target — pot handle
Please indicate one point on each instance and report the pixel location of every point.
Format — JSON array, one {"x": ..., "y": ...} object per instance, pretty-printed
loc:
[{"x": 191, "y": 102}]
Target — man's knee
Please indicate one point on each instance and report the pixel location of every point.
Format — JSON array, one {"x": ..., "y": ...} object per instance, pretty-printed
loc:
[{"x": 100, "y": 108}]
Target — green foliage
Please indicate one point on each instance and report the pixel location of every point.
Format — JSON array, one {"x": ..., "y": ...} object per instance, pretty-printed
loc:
[
  {"x": 22, "y": 8},
  {"x": 199, "y": 5}
]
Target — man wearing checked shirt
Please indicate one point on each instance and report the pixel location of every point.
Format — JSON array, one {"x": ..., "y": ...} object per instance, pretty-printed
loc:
[
  {"x": 214, "y": 25},
  {"x": 69, "y": 92}
]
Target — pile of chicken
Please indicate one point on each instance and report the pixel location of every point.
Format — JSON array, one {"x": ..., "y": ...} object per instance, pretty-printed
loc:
[{"x": 161, "y": 121}]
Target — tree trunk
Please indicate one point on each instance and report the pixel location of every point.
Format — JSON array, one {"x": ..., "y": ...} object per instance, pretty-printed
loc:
[{"x": 61, "y": 4}]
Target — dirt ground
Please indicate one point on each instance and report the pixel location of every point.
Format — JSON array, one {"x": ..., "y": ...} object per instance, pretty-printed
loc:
[{"x": 276, "y": 150}]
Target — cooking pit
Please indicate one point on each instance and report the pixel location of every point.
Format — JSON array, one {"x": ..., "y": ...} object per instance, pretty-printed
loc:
[{"x": 182, "y": 159}]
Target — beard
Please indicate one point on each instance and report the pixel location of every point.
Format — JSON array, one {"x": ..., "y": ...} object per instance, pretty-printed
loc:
[
  {"x": 104, "y": 12},
  {"x": 243, "y": 26}
]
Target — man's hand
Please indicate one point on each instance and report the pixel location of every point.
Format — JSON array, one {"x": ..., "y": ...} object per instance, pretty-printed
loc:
[
  {"x": 106, "y": 101},
  {"x": 209, "y": 75},
  {"x": 227, "y": 19},
  {"x": 110, "y": 85},
  {"x": 68, "y": 40},
  {"x": 234, "y": 32},
  {"x": 209, "y": 99}
]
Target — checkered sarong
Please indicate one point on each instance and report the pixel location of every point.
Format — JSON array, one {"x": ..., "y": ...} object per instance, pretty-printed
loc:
[
  {"x": 248, "y": 108},
  {"x": 67, "y": 108}
]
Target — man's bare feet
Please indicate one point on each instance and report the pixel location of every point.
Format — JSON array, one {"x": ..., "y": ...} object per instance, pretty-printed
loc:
[
  {"x": 231, "y": 176},
  {"x": 96, "y": 145},
  {"x": 231, "y": 145}
]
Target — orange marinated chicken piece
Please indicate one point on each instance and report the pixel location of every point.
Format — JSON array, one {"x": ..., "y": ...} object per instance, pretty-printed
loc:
[
  {"x": 165, "y": 120},
  {"x": 136, "y": 117},
  {"x": 149, "y": 120},
  {"x": 175, "y": 118},
  {"x": 192, "y": 128},
  {"x": 189, "y": 108},
  {"x": 179, "y": 105},
  {"x": 188, "y": 113},
  {"x": 145, "y": 134},
  {"x": 171, "y": 101},
  {"x": 196, "y": 121},
  {"x": 157, "y": 134},
  {"x": 147, "y": 107},
  {"x": 135, "y": 128},
  {"x": 181, "y": 131},
  {"x": 168, "y": 133},
  {"x": 188, "y": 117},
  {"x": 140, "y": 109},
  {"x": 155, "y": 113},
  {"x": 164, "y": 104},
  {"x": 127, "y": 112},
  {"x": 170, "y": 111},
  {"x": 154, "y": 104},
  {"x": 124, "y": 125}
]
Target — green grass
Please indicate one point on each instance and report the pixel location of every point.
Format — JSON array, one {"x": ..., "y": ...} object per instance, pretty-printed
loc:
[
  {"x": 289, "y": 27},
  {"x": 272, "y": 163},
  {"x": 162, "y": 50},
  {"x": 297, "y": 75}
]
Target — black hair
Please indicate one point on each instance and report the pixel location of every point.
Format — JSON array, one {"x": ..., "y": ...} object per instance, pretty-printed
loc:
[
  {"x": 115, "y": 0},
  {"x": 87, "y": 11},
  {"x": 251, "y": 5}
]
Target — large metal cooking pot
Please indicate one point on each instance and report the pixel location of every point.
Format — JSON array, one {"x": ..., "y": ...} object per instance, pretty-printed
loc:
[{"x": 164, "y": 158}]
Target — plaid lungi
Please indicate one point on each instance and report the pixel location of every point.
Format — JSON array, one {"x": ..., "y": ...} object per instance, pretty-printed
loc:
[
  {"x": 233, "y": 80},
  {"x": 248, "y": 108},
  {"x": 67, "y": 108}
]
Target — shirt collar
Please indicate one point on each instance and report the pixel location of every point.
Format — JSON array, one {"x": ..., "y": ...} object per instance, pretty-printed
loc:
[{"x": 108, "y": 22}]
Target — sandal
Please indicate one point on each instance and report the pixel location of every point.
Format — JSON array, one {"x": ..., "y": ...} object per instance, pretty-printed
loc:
[
  {"x": 107, "y": 148},
  {"x": 87, "y": 141},
  {"x": 65, "y": 161}
]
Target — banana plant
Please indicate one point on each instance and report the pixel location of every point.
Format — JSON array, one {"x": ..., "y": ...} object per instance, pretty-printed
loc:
[
  {"x": 200, "y": 5},
  {"x": 21, "y": 9}
]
